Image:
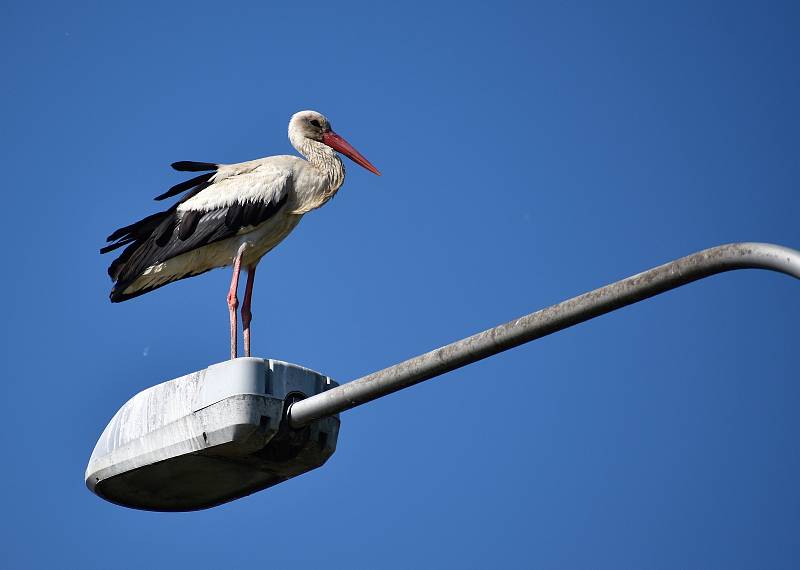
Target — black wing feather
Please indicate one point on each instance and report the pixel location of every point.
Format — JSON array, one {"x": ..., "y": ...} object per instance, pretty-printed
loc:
[
  {"x": 195, "y": 229},
  {"x": 141, "y": 230},
  {"x": 189, "y": 224},
  {"x": 164, "y": 232},
  {"x": 164, "y": 235},
  {"x": 252, "y": 213},
  {"x": 142, "y": 227},
  {"x": 202, "y": 180},
  {"x": 160, "y": 226},
  {"x": 192, "y": 166},
  {"x": 233, "y": 217}
]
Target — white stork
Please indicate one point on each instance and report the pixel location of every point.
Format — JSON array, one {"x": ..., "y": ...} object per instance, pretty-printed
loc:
[{"x": 233, "y": 214}]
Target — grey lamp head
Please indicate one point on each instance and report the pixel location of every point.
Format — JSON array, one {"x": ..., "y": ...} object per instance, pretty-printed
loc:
[{"x": 210, "y": 437}]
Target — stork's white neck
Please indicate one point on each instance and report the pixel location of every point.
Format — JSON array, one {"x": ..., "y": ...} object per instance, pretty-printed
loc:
[{"x": 323, "y": 158}]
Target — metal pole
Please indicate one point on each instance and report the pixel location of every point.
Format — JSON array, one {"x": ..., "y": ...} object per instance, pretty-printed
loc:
[{"x": 547, "y": 321}]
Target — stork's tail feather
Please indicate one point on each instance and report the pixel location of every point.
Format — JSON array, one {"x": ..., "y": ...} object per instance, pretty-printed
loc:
[
  {"x": 130, "y": 288},
  {"x": 118, "y": 291}
]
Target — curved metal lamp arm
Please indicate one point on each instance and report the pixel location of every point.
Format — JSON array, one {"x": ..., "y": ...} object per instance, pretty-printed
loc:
[{"x": 547, "y": 321}]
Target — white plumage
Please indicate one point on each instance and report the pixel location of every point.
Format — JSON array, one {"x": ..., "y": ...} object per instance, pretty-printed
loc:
[{"x": 232, "y": 216}]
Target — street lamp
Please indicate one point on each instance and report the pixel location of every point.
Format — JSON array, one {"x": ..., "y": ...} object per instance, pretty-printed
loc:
[{"x": 244, "y": 425}]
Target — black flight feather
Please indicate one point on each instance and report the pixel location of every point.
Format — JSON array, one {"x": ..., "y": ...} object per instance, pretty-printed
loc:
[
  {"x": 134, "y": 235},
  {"x": 164, "y": 232},
  {"x": 114, "y": 246},
  {"x": 188, "y": 224},
  {"x": 170, "y": 233},
  {"x": 118, "y": 295},
  {"x": 233, "y": 218},
  {"x": 160, "y": 225},
  {"x": 186, "y": 185},
  {"x": 192, "y": 166},
  {"x": 143, "y": 226},
  {"x": 195, "y": 229}
]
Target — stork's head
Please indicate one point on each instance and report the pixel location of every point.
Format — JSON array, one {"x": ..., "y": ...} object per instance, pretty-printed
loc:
[{"x": 314, "y": 126}]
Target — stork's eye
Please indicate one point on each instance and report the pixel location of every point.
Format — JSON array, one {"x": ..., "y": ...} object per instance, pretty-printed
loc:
[{"x": 315, "y": 123}]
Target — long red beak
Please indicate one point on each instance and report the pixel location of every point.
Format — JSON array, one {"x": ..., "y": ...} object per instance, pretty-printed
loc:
[{"x": 337, "y": 143}]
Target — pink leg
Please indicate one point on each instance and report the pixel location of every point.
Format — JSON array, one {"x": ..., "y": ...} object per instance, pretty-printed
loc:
[
  {"x": 247, "y": 315},
  {"x": 233, "y": 300}
]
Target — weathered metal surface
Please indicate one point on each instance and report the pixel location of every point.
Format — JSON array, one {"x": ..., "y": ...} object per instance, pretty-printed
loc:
[
  {"x": 547, "y": 321},
  {"x": 210, "y": 437}
]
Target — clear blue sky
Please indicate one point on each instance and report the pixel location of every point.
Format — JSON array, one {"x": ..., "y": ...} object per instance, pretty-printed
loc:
[{"x": 529, "y": 153}]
